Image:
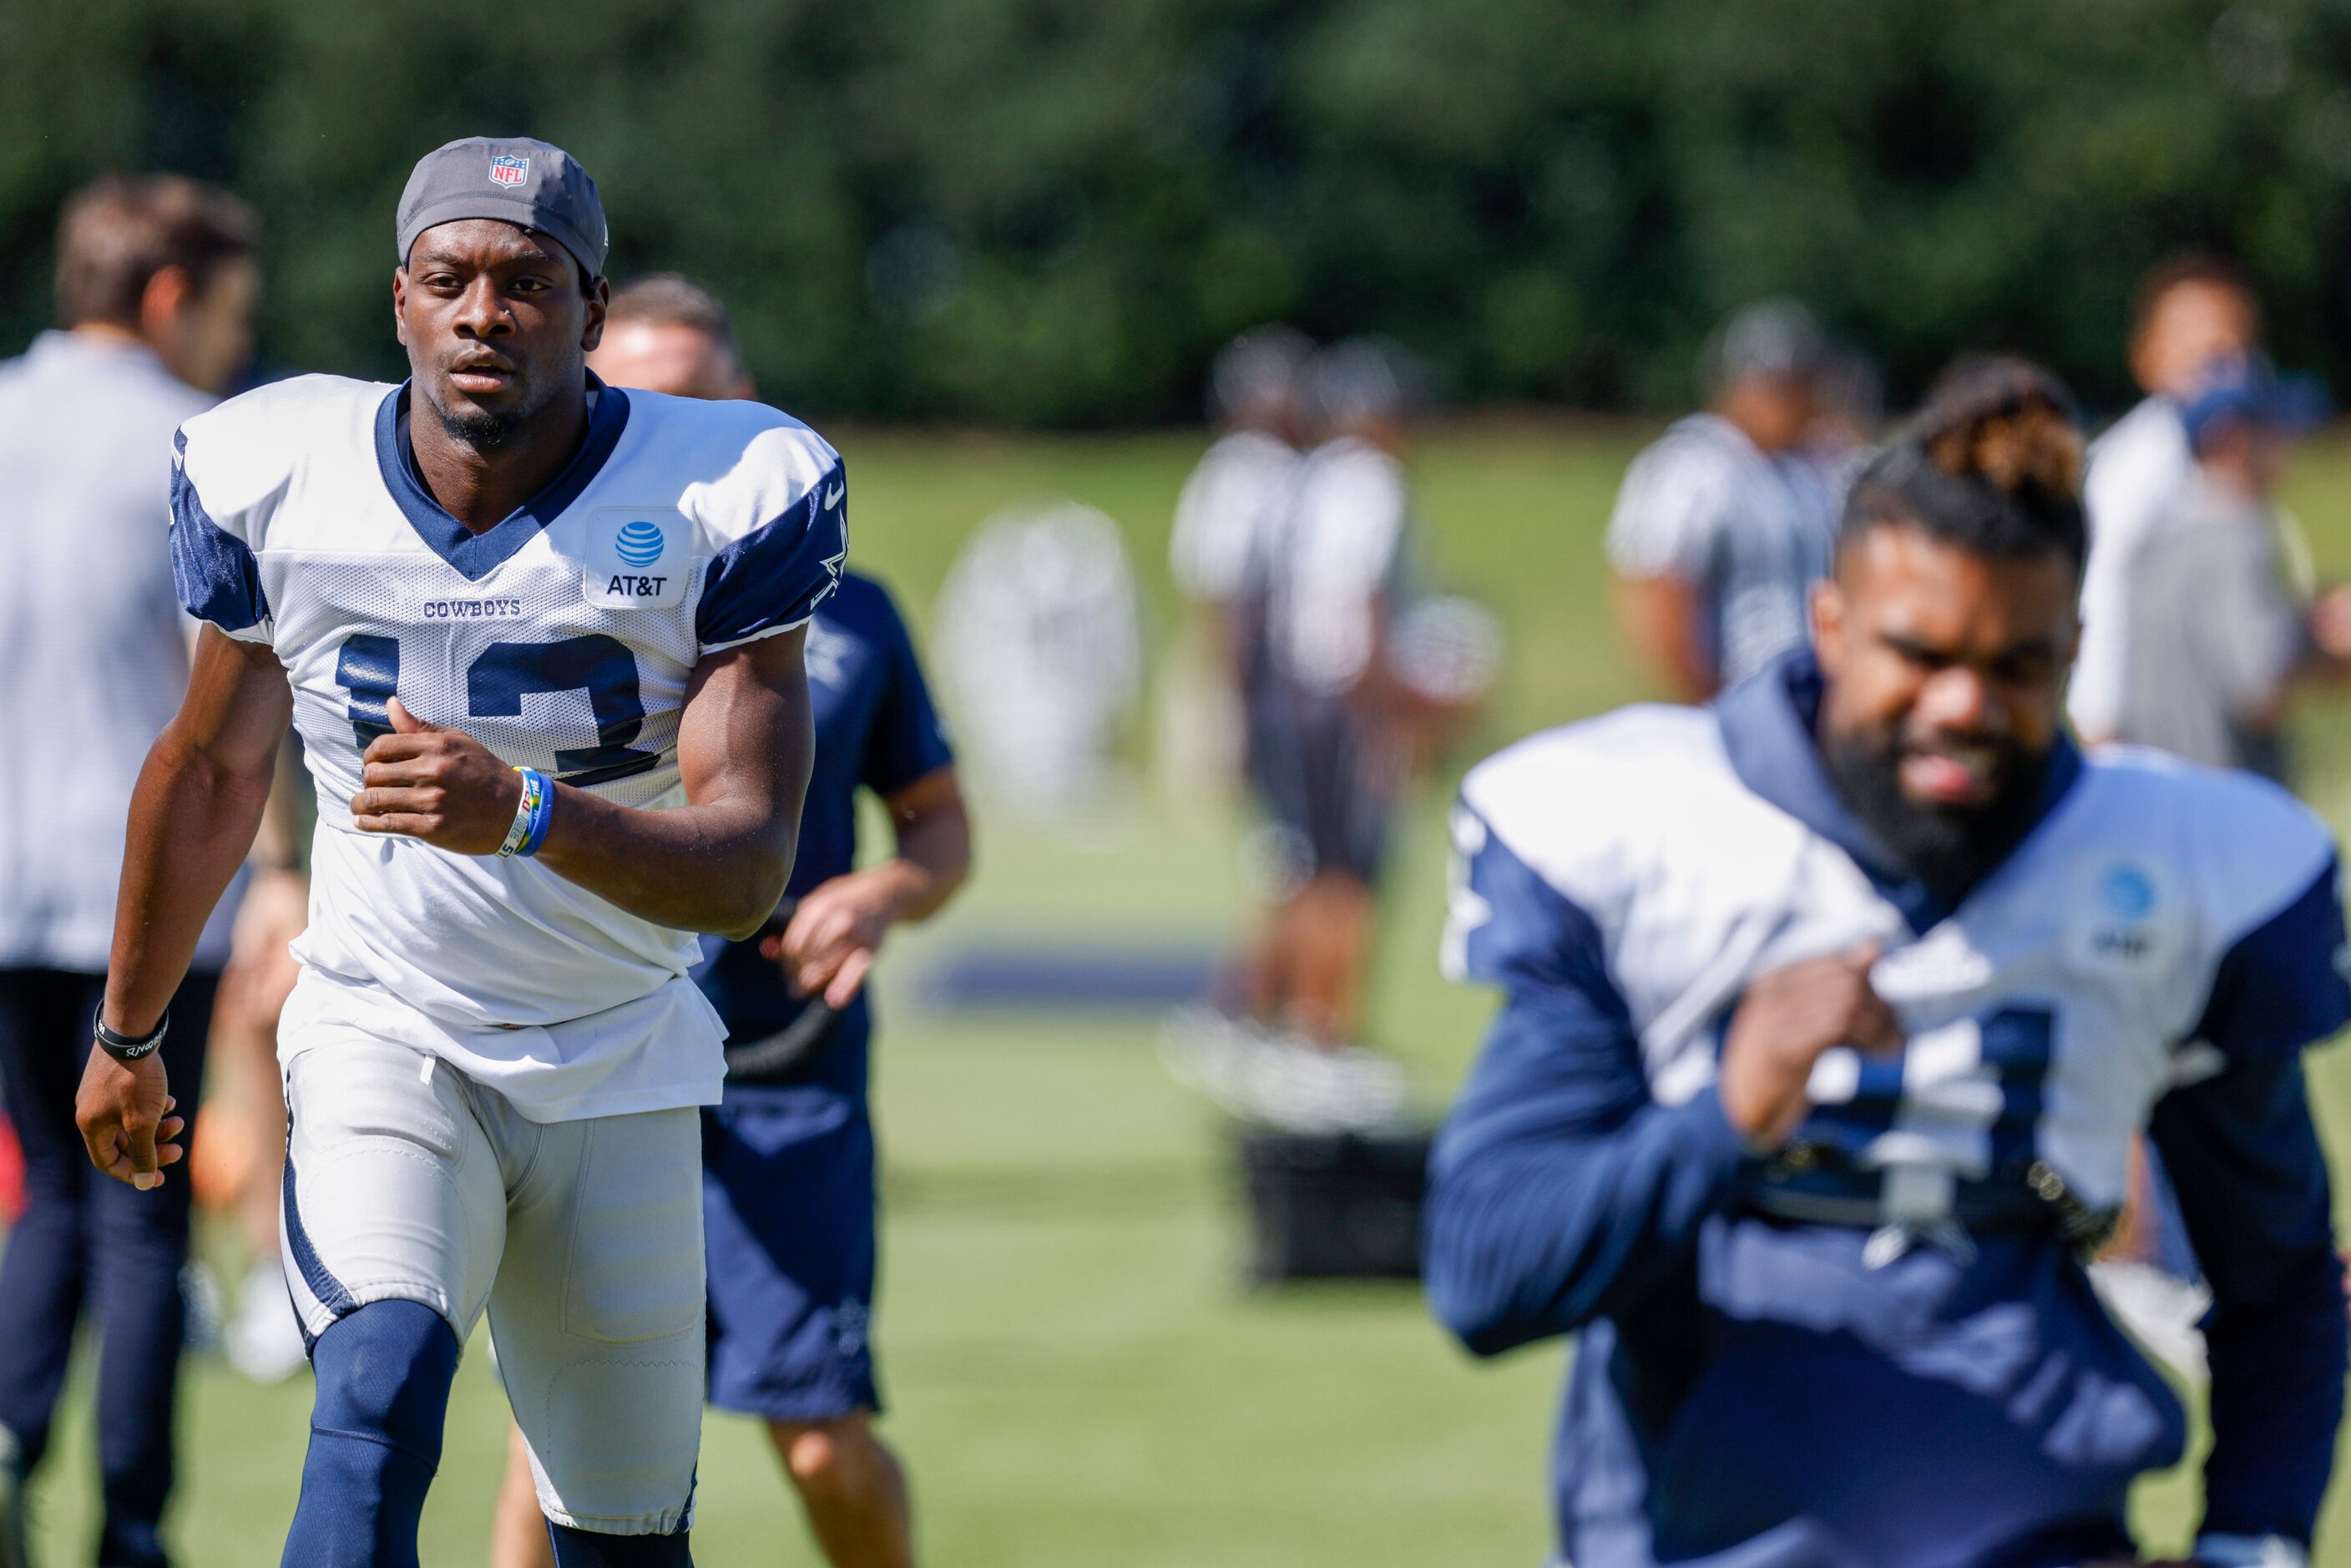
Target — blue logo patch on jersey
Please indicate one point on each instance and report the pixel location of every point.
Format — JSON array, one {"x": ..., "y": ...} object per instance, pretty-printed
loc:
[
  {"x": 2128, "y": 893},
  {"x": 640, "y": 544},
  {"x": 632, "y": 557}
]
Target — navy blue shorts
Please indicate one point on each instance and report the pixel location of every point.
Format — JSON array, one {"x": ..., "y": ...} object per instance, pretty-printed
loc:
[
  {"x": 788, "y": 1214},
  {"x": 1328, "y": 777}
]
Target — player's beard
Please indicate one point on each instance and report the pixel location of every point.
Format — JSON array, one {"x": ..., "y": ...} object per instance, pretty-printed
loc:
[
  {"x": 470, "y": 424},
  {"x": 482, "y": 429},
  {"x": 1949, "y": 848}
]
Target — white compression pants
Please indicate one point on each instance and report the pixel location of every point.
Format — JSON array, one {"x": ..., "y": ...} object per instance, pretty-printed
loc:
[{"x": 406, "y": 1180}]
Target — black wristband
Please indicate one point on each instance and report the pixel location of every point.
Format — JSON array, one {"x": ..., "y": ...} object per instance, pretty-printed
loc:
[{"x": 122, "y": 1048}]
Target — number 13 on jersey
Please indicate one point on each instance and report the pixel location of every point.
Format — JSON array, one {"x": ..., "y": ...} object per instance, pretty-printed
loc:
[{"x": 603, "y": 668}]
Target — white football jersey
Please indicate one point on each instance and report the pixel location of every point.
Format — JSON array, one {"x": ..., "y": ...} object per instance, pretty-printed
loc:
[
  {"x": 2046, "y": 1013},
  {"x": 1233, "y": 501},
  {"x": 563, "y": 639}
]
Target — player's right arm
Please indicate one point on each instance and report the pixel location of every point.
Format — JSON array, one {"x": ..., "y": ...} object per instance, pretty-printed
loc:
[
  {"x": 1560, "y": 1189},
  {"x": 194, "y": 815}
]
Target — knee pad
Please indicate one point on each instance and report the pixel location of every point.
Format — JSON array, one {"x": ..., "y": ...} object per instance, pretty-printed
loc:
[
  {"x": 384, "y": 1373},
  {"x": 585, "y": 1549}
]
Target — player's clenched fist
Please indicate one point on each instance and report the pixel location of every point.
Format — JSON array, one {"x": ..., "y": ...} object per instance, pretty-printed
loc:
[
  {"x": 1783, "y": 1023},
  {"x": 124, "y": 1111},
  {"x": 443, "y": 785}
]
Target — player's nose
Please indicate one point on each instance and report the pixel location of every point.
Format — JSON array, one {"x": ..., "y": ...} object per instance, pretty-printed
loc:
[
  {"x": 1956, "y": 697},
  {"x": 482, "y": 310}
]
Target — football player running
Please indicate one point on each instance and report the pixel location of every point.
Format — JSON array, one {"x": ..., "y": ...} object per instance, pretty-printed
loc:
[
  {"x": 541, "y": 640},
  {"x": 787, "y": 1177},
  {"x": 1830, "y": 1011}
]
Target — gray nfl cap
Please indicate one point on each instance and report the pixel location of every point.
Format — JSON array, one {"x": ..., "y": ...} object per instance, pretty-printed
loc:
[{"x": 515, "y": 180}]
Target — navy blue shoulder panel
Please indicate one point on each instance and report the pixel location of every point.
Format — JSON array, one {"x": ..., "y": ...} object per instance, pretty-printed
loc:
[
  {"x": 778, "y": 574},
  {"x": 1531, "y": 933},
  {"x": 2282, "y": 986},
  {"x": 214, "y": 571}
]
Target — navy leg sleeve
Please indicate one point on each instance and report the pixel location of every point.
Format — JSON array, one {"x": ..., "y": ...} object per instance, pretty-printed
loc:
[
  {"x": 375, "y": 1437},
  {"x": 585, "y": 1549}
]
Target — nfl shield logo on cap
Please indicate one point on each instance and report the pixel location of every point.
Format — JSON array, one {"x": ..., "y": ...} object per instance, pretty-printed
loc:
[{"x": 508, "y": 170}]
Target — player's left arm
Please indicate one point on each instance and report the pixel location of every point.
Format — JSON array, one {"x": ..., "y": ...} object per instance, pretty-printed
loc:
[
  {"x": 2245, "y": 1161},
  {"x": 836, "y": 931},
  {"x": 717, "y": 863}
]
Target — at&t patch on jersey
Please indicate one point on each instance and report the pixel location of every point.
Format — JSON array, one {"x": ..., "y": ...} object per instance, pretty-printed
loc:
[
  {"x": 2128, "y": 916},
  {"x": 636, "y": 559}
]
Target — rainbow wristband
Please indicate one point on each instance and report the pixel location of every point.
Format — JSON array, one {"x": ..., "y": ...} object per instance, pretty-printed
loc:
[{"x": 532, "y": 815}]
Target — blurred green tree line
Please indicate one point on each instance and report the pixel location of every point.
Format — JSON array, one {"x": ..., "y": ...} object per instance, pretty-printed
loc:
[{"x": 1051, "y": 211}]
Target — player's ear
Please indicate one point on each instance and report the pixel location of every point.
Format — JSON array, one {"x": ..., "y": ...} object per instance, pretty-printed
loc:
[
  {"x": 1828, "y": 622},
  {"x": 400, "y": 305},
  {"x": 600, "y": 301},
  {"x": 167, "y": 293}
]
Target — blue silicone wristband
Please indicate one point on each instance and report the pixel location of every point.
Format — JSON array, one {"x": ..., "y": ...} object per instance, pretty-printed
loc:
[{"x": 542, "y": 813}]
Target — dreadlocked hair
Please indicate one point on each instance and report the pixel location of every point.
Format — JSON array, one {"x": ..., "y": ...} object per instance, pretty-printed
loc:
[{"x": 1992, "y": 465}]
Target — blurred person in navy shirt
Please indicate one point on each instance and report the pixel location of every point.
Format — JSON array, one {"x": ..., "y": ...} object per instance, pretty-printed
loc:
[{"x": 788, "y": 1198}]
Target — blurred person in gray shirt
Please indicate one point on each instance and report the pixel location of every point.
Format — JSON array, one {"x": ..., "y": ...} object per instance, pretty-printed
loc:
[
  {"x": 156, "y": 282},
  {"x": 2218, "y": 638},
  {"x": 1235, "y": 498},
  {"x": 1723, "y": 524},
  {"x": 2190, "y": 311},
  {"x": 1241, "y": 486}
]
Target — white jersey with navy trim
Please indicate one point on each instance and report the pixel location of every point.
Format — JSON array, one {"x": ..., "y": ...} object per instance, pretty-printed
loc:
[
  {"x": 1233, "y": 501},
  {"x": 2045, "y": 1015},
  {"x": 1750, "y": 532},
  {"x": 563, "y": 639}
]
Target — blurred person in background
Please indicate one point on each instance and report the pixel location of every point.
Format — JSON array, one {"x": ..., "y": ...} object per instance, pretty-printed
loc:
[
  {"x": 1235, "y": 496},
  {"x": 156, "y": 284},
  {"x": 2189, "y": 311},
  {"x": 1830, "y": 1013},
  {"x": 788, "y": 1193},
  {"x": 1237, "y": 492},
  {"x": 666, "y": 333},
  {"x": 2218, "y": 637},
  {"x": 1723, "y": 524},
  {"x": 1329, "y": 750},
  {"x": 1326, "y": 748}
]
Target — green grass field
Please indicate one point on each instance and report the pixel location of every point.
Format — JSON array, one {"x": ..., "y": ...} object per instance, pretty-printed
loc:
[{"x": 1075, "y": 1374}]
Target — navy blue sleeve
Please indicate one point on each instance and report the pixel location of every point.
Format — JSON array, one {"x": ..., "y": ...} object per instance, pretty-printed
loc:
[
  {"x": 1559, "y": 1190},
  {"x": 214, "y": 571},
  {"x": 905, "y": 742},
  {"x": 2282, "y": 987},
  {"x": 2251, "y": 1181},
  {"x": 774, "y": 576}
]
